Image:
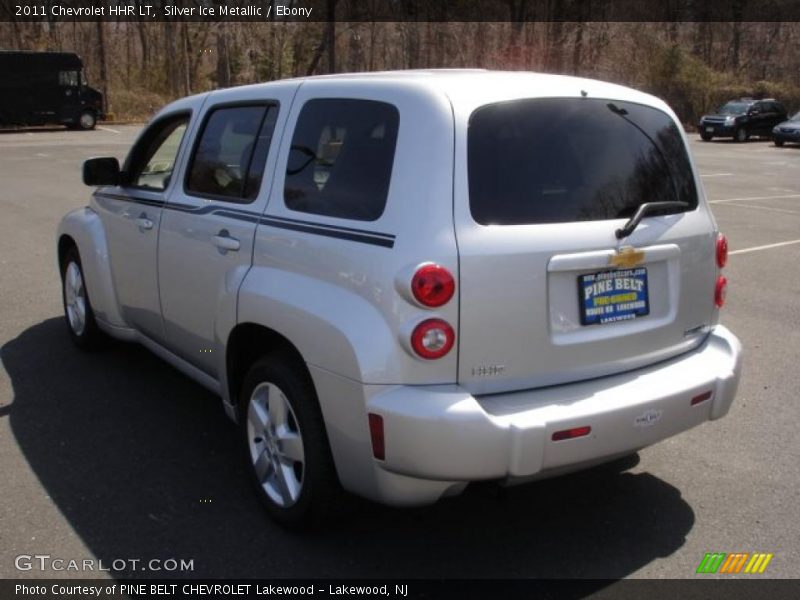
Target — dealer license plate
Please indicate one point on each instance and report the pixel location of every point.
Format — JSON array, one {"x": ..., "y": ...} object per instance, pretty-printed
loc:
[{"x": 612, "y": 296}]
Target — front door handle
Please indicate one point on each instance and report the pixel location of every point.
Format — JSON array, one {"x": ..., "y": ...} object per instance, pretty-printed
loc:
[
  {"x": 225, "y": 242},
  {"x": 143, "y": 222}
]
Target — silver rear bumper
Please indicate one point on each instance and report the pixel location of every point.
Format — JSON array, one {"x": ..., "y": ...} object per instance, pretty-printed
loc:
[{"x": 442, "y": 433}]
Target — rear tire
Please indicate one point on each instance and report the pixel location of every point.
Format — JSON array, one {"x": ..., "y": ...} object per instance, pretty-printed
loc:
[
  {"x": 741, "y": 135},
  {"x": 81, "y": 324},
  {"x": 87, "y": 120},
  {"x": 285, "y": 443},
  {"x": 706, "y": 137}
]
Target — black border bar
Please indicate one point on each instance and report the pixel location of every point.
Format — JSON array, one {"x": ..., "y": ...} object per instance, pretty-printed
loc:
[
  {"x": 462, "y": 589},
  {"x": 405, "y": 11}
]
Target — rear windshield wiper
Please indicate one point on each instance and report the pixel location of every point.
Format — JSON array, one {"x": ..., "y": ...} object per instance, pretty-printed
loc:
[{"x": 643, "y": 211}]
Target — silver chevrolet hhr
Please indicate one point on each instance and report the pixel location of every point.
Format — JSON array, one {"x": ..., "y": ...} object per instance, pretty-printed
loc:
[{"x": 400, "y": 283}]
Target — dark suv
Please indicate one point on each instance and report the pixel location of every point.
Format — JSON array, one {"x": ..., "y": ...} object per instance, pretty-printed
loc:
[{"x": 740, "y": 119}]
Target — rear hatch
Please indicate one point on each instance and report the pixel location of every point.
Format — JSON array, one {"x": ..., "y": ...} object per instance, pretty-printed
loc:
[{"x": 548, "y": 294}]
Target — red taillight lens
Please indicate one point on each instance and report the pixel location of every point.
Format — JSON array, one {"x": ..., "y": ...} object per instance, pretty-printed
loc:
[
  {"x": 376, "y": 435},
  {"x": 432, "y": 339},
  {"x": 722, "y": 250},
  {"x": 568, "y": 434},
  {"x": 720, "y": 291},
  {"x": 433, "y": 285}
]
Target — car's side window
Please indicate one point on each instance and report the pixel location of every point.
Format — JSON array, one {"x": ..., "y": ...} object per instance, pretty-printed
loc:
[
  {"x": 230, "y": 154},
  {"x": 152, "y": 159},
  {"x": 341, "y": 158}
]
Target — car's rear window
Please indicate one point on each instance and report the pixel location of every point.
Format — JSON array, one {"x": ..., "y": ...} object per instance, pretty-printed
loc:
[{"x": 556, "y": 160}]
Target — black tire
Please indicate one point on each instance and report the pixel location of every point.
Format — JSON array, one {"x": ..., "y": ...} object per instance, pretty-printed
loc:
[
  {"x": 86, "y": 121},
  {"x": 319, "y": 491},
  {"x": 778, "y": 143},
  {"x": 706, "y": 137},
  {"x": 85, "y": 333},
  {"x": 741, "y": 135}
]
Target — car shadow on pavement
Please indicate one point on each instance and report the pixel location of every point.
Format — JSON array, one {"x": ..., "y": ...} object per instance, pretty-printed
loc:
[
  {"x": 36, "y": 129},
  {"x": 143, "y": 464}
]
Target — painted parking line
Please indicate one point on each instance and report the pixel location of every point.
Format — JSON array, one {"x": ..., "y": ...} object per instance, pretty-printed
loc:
[
  {"x": 107, "y": 129},
  {"x": 723, "y": 200},
  {"x": 761, "y": 207},
  {"x": 765, "y": 247},
  {"x": 715, "y": 174}
]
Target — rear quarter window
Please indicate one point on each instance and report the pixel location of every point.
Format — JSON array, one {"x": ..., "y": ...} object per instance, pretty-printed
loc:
[
  {"x": 340, "y": 162},
  {"x": 556, "y": 160}
]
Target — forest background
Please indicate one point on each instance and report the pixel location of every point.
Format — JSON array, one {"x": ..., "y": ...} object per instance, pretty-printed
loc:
[{"x": 694, "y": 65}]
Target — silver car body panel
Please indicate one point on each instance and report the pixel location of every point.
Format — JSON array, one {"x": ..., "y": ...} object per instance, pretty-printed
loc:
[{"x": 337, "y": 289}]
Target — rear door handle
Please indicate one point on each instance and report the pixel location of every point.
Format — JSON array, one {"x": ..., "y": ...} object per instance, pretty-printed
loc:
[
  {"x": 143, "y": 222},
  {"x": 224, "y": 241}
]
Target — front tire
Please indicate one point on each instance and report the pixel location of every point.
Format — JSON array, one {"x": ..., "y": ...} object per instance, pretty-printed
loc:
[
  {"x": 706, "y": 137},
  {"x": 741, "y": 135},
  {"x": 285, "y": 443},
  {"x": 81, "y": 324},
  {"x": 778, "y": 143}
]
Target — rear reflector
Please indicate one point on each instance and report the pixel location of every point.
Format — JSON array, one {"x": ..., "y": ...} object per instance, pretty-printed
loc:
[
  {"x": 701, "y": 398},
  {"x": 376, "y": 434},
  {"x": 568, "y": 434}
]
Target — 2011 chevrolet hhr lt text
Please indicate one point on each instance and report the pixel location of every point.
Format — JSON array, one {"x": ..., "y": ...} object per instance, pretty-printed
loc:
[{"x": 400, "y": 283}]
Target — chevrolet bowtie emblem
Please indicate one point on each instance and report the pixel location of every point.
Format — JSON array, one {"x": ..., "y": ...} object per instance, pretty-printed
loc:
[{"x": 626, "y": 257}]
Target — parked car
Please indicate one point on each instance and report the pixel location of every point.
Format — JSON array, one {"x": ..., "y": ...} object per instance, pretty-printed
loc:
[
  {"x": 787, "y": 131},
  {"x": 739, "y": 119},
  {"x": 401, "y": 283},
  {"x": 41, "y": 88}
]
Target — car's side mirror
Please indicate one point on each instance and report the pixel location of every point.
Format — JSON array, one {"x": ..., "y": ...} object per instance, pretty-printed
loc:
[
  {"x": 755, "y": 111},
  {"x": 101, "y": 171}
]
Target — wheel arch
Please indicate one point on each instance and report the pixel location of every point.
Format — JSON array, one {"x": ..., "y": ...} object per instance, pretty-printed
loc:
[
  {"x": 247, "y": 342},
  {"x": 83, "y": 230},
  {"x": 65, "y": 243}
]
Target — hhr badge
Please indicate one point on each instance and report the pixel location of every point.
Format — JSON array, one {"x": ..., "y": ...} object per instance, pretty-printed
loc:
[
  {"x": 648, "y": 419},
  {"x": 626, "y": 257}
]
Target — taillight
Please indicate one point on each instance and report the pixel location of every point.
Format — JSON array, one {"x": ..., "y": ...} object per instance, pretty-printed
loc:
[
  {"x": 432, "y": 339},
  {"x": 432, "y": 285},
  {"x": 722, "y": 250},
  {"x": 720, "y": 291}
]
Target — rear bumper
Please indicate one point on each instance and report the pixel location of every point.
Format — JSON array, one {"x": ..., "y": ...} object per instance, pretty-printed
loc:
[{"x": 442, "y": 433}]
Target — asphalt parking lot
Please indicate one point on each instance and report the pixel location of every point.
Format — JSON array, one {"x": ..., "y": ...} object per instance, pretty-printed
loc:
[{"x": 118, "y": 456}]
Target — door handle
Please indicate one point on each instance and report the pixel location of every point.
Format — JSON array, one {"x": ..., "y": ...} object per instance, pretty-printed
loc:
[
  {"x": 143, "y": 222},
  {"x": 225, "y": 242}
]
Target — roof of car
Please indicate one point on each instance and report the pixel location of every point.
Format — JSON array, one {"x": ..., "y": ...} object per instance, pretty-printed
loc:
[
  {"x": 470, "y": 87},
  {"x": 466, "y": 89}
]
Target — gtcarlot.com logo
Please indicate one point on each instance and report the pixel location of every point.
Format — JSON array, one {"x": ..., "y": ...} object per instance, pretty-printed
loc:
[
  {"x": 734, "y": 562},
  {"x": 46, "y": 562}
]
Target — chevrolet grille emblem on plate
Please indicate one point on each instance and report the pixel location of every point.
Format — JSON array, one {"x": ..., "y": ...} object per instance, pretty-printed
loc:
[{"x": 626, "y": 257}]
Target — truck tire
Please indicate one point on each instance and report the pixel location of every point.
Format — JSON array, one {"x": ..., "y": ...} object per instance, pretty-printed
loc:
[
  {"x": 81, "y": 324},
  {"x": 285, "y": 443},
  {"x": 87, "y": 120}
]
